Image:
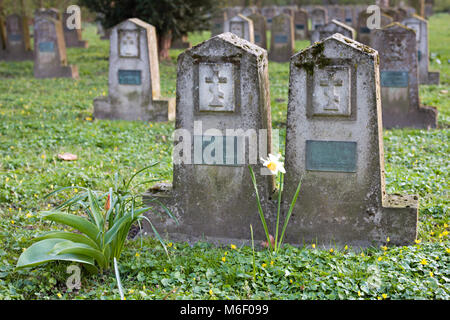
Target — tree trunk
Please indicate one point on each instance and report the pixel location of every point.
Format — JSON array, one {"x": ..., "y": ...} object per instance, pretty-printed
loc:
[{"x": 164, "y": 42}]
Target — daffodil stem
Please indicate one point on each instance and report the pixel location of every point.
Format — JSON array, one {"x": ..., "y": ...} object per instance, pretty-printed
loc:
[{"x": 280, "y": 190}]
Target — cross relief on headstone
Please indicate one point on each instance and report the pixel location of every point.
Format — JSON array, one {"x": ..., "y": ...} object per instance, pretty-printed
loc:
[
  {"x": 216, "y": 91},
  {"x": 129, "y": 43},
  {"x": 331, "y": 96}
]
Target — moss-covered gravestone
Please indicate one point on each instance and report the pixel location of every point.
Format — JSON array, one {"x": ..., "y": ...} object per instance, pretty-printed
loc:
[
  {"x": 50, "y": 58},
  {"x": 240, "y": 26},
  {"x": 334, "y": 143},
  {"x": 223, "y": 107},
  {"x": 331, "y": 28},
  {"x": 282, "y": 41},
  {"x": 301, "y": 26},
  {"x": 420, "y": 26},
  {"x": 17, "y": 44},
  {"x": 134, "y": 91},
  {"x": 397, "y": 47}
]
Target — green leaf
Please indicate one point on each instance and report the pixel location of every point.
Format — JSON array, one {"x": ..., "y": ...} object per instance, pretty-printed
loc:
[
  {"x": 79, "y": 223},
  {"x": 70, "y": 247},
  {"x": 39, "y": 253},
  {"x": 75, "y": 237},
  {"x": 96, "y": 211}
]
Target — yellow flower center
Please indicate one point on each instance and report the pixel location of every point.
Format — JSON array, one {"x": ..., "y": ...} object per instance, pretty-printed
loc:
[{"x": 272, "y": 166}]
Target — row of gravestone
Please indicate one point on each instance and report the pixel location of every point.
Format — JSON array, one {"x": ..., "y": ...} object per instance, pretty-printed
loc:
[
  {"x": 333, "y": 143},
  {"x": 51, "y": 37}
]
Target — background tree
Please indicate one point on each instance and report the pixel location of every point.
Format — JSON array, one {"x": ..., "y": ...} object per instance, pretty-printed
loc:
[{"x": 171, "y": 18}]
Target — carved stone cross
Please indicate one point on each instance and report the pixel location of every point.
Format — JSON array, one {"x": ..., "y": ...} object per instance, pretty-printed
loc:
[
  {"x": 331, "y": 92},
  {"x": 214, "y": 87}
]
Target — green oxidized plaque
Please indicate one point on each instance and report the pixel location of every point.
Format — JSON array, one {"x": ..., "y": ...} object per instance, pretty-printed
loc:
[
  {"x": 130, "y": 77},
  {"x": 394, "y": 79},
  {"x": 339, "y": 156}
]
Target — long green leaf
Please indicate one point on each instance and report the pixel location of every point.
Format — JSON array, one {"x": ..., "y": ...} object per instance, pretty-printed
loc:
[
  {"x": 111, "y": 233},
  {"x": 75, "y": 237},
  {"x": 70, "y": 247},
  {"x": 291, "y": 208},
  {"x": 79, "y": 223},
  {"x": 96, "y": 211},
  {"x": 39, "y": 253}
]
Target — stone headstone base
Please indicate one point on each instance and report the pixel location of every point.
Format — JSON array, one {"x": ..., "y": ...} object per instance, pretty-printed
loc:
[
  {"x": 16, "y": 56},
  {"x": 57, "y": 72},
  {"x": 160, "y": 110},
  {"x": 433, "y": 78},
  {"x": 423, "y": 118},
  {"x": 77, "y": 44}
]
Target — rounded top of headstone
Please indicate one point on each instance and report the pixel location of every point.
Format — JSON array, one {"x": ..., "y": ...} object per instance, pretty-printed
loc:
[
  {"x": 316, "y": 50},
  {"x": 226, "y": 39}
]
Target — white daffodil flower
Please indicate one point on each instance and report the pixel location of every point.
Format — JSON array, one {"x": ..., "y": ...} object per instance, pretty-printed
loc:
[{"x": 274, "y": 164}]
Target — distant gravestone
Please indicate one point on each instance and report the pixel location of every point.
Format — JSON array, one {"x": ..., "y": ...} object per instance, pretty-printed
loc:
[
  {"x": 397, "y": 47},
  {"x": 259, "y": 29},
  {"x": 319, "y": 17},
  {"x": 231, "y": 12},
  {"x": 240, "y": 26},
  {"x": 17, "y": 46},
  {"x": 301, "y": 25},
  {"x": 428, "y": 9},
  {"x": 134, "y": 89},
  {"x": 72, "y": 36},
  {"x": 269, "y": 13},
  {"x": 181, "y": 42},
  {"x": 2, "y": 37},
  {"x": 420, "y": 26},
  {"x": 350, "y": 16},
  {"x": 331, "y": 28},
  {"x": 336, "y": 12},
  {"x": 401, "y": 14},
  {"x": 282, "y": 41},
  {"x": 364, "y": 31},
  {"x": 334, "y": 143},
  {"x": 50, "y": 58},
  {"x": 222, "y": 86},
  {"x": 419, "y": 6},
  {"x": 217, "y": 23}
]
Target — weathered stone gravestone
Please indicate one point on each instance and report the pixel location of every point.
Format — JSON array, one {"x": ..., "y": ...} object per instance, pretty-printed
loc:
[
  {"x": 428, "y": 8},
  {"x": 17, "y": 39},
  {"x": 248, "y": 11},
  {"x": 319, "y": 17},
  {"x": 419, "y": 7},
  {"x": 397, "y": 48},
  {"x": 50, "y": 58},
  {"x": 282, "y": 41},
  {"x": 334, "y": 142},
  {"x": 259, "y": 29},
  {"x": 331, "y": 28},
  {"x": 364, "y": 31},
  {"x": 181, "y": 42},
  {"x": 231, "y": 12},
  {"x": 336, "y": 12},
  {"x": 269, "y": 13},
  {"x": 134, "y": 92},
  {"x": 217, "y": 23},
  {"x": 240, "y": 26},
  {"x": 420, "y": 26},
  {"x": 350, "y": 16},
  {"x": 72, "y": 36},
  {"x": 222, "y": 86},
  {"x": 301, "y": 25},
  {"x": 2, "y": 37}
]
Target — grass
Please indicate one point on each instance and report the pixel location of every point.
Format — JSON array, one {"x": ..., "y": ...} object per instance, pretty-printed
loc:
[{"x": 41, "y": 118}]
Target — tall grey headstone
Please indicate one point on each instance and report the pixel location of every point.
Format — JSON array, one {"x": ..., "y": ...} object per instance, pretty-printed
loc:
[
  {"x": 72, "y": 35},
  {"x": 259, "y": 29},
  {"x": 420, "y": 26},
  {"x": 222, "y": 86},
  {"x": 17, "y": 44},
  {"x": 334, "y": 142},
  {"x": 331, "y": 28},
  {"x": 319, "y": 17},
  {"x": 50, "y": 58},
  {"x": 397, "y": 47},
  {"x": 134, "y": 89},
  {"x": 240, "y": 26},
  {"x": 282, "y": 41},
  {"x": 301, "y": 26}
]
